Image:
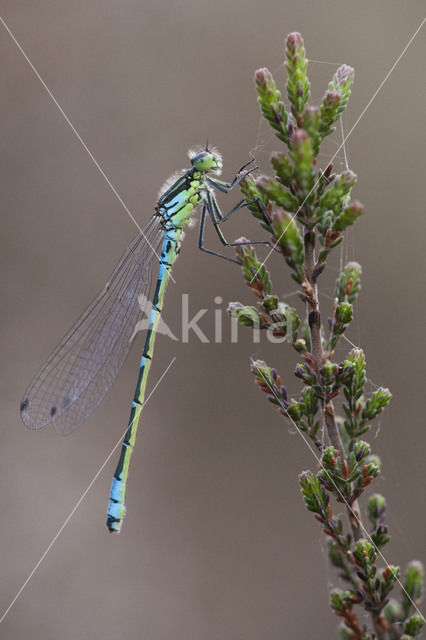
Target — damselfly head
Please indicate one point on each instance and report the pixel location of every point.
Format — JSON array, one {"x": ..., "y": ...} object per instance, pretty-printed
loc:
[{"x": 206, "y": 160}]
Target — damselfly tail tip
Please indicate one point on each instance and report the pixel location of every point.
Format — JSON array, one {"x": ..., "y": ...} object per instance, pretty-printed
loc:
[{"x": 113, "y": 525}]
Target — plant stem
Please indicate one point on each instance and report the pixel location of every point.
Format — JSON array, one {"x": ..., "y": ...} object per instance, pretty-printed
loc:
[
  {"x": 314, "y": 322},
  {"x": 378, "y": 626}
]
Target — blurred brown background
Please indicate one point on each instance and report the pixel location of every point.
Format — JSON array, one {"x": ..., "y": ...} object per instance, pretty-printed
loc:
[{"x": 216, "y": 543}]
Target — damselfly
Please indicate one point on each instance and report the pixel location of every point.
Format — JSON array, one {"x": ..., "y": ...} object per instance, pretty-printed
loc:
[{"x": 82, "y": 369}]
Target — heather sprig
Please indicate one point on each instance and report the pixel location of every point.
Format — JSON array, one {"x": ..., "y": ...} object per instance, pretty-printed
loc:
[{"x": 305, "y": 209}]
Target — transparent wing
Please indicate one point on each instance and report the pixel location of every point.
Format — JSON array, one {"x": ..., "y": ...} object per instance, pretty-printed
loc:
[{"x": 82, "y": 369}]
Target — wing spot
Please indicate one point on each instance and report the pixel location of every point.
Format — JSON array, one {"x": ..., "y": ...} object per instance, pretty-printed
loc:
[
  {"x": 24, "y": 404},
  {"x": 53, "y": 411}
]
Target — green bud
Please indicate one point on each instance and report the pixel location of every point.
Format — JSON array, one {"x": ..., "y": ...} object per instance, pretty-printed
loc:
[
  {"x": 305, "y": 373},
  {"x": 272, "y": 107},
  {"x": 257, "y": 201},
  {"x": 374, "y": 460},
  {"x": 347, "y": 634},
  {"x": 376, "y": 515},
  {"x": 388, "y": 577},
  {"x": 300, "y": 345},
  {"x": 393, "y": 611},
  {"x": 314, "y": 495},
  {"x": 270, "y": 303},
  {"x": 335, "y": 196},
  {"x": 335, "y": 556},
  {"x": 413, "y": 586},
  {"x": 361, "y": 450},
  {"x": 246, "y": 315},
  {"x": 298, "y": 86},
  {"x": 347, "y": 288},
  {"x": 344, "y": 313},
  {"x": 329, "y": 112},
  {"x": 329, "y": 458},
  {"x": 373, "y": 469},
  {"x": 282, "y": 167},
  {"x": 310, "y": 401},
  {"x": 356, "y": 362},
  {"x": 294, "y": 410},
  {"x": 328, "y": 372},
  {"x": 284, "y": 319},
  {"x": 254, "y": 271},
  {"x": 340, "y": 600},
  {"x": 376, "y": 508},
  {"x": 288, "y": 236},
  {"x": 414, "y": 625},
  {"x": 375, "y": 405},
  {"x": 277, "y": 192},
  {"x": 292, "y": 321},
  {"x": 304, "y": 168},
  {"x": 348, "y": 216},
  {"x": 311, "y": 124},
  {"x": 349, "y": 283},
  {"x": 365, "y": 553},
  {"x": 342, "y": 82},
  {"x": 269, "y": 381},
  {"x": 336, "y": 98}
]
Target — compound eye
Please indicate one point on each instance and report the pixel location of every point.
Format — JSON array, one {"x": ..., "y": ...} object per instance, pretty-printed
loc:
[{"x": 203, "y": 161}]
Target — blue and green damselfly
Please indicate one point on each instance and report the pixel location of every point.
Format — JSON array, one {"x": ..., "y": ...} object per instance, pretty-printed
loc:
[{"x": 82, "y": 369}]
